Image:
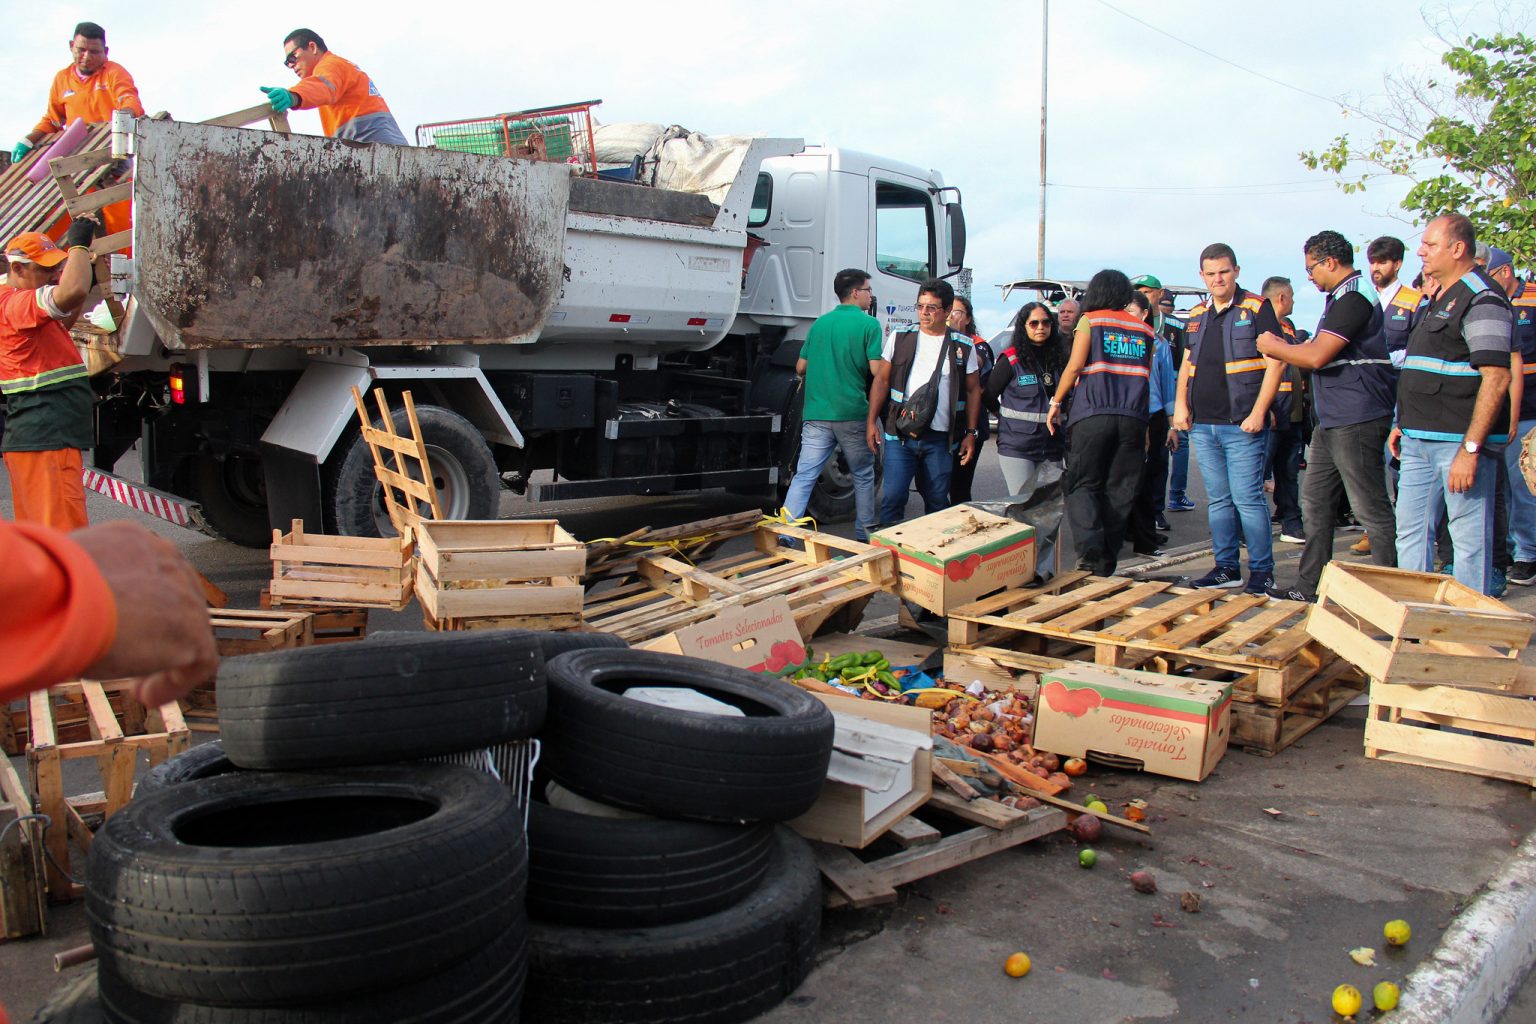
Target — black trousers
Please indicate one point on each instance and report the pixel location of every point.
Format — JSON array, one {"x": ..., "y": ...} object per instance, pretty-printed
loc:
[
  {"x": 1286, "y": 445},
  {"x": 1104, "y": 460},
  {"x": 1149, "y": 491},
  {"x": 1345, "y": 461},
  {"x": 961, "y": 477}
]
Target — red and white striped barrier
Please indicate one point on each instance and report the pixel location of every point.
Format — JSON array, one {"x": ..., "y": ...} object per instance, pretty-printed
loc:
[{"x": 146, "y": 499}]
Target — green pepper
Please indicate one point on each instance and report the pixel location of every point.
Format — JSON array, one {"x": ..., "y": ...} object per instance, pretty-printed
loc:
[{"x": 871, "y": 658}]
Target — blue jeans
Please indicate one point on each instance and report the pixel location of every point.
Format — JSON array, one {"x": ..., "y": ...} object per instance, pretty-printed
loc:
[
  {"x": 1522, "y": 503},
  {"x": 818, "y": 440},
  {"x": 1178, "y": 469},
  {"x": 1422, "y": 497},
  {"x": 929, "y": 460},
  {"x": 1232, "y": 468}
]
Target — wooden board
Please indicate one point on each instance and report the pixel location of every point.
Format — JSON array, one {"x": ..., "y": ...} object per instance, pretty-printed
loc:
[
  {"x": 399, "y": 462},
  {"x": 1258, "y": 644},
  {"x": 244, "y": 631},
  {"x": 619, "y": 557},
  {"x": 23, "y": 908},
  {"x": 1430, "y": 726},
  {"x": 1266, "y": 730}
]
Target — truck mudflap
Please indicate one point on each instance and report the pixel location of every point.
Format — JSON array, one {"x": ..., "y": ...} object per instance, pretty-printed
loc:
[
  {"x": 255, "y": 238},
  {"x": 146, "y": 499}
]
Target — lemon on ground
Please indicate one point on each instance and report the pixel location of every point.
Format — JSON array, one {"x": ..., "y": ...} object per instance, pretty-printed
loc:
[
  {"x": 1087, "y": 858},
  {"x": 1017, "y": 965},
  {"x": 1385, "y": 995},
  {"x": 1397, "y": 932},
  {"x": 1346, "y": 1000},
  {"x": 1096, "y": 807}
]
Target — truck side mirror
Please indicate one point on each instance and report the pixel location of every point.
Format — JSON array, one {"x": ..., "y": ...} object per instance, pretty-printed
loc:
[{"x": 956, "y": 235}]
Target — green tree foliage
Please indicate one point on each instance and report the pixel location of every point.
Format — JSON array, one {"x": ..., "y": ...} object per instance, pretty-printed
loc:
[{"x": 1468, "y": 147}]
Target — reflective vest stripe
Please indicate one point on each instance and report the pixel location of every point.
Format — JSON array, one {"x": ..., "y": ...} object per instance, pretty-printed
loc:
[
  {"x": 1128, "y": 371},
  {"x": 1245, "y": 365},
  {"x": 1358, "y": 362},
  {"x": 898, "y": 396},
  {"x": 1019, "y": 414},
  {"x": 58, "y": 375},
  {"x": 1441, "y": 366}
]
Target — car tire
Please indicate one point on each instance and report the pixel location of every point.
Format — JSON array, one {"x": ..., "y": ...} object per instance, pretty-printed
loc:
[
  {"x": 729, "y": 966},
  {"x": 204, "y": 761},
  {"x": 552, "y": 643},
  {"x": 637, "y": 873},
  {"x": 367, "y": 703},
  {"x": 273, "y": 888},
  {"x": 766, "y": 766},
  {"x": 73, "y": 1002}
]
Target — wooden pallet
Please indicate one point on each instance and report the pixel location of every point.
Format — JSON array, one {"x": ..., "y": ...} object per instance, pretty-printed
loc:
[
  {"x": 619, "y": 557},
  {"x": 1417, "y": 627},
  {"x": 118, "y": 736},
  {"x": 1429, "y": 726},
  {"x": 925, "y": 850},
  {"x": 827, "y": 580},
  {"x": 244, "y": 631},
  {"x": 310, "y": 570},
  {"x": 400, "y": 463},
  {"x": 1258, "y": 644},
  {"x": 1266, "y": 729}
]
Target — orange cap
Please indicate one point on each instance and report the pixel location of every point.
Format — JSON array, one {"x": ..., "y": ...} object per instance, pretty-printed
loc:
[{"x": 34, "y": 247}]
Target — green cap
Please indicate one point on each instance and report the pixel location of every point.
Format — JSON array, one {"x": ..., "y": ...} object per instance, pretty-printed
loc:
[{"x": 1146, "y": 281}]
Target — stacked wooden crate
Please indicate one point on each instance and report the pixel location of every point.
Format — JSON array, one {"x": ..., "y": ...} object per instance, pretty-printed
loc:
[{"x": 499, "y": 574}]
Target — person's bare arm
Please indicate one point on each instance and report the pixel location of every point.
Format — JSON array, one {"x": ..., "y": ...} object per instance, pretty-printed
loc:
[
  {"x": 800, "y": 365},
  {"x": 1309, "y": 355},
  {"x": 879, "y": 391},
  {"x": 1181, "y": 417},
  {"x": 973, "y": 416},
  {"x": 1274, "y": 371}
]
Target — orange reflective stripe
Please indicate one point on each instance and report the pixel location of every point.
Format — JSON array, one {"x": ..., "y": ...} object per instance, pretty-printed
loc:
[{"x": 1125, "y": 371}]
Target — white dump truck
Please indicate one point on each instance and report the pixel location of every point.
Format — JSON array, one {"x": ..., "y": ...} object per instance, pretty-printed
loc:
[{"x": 631, "y": 339}]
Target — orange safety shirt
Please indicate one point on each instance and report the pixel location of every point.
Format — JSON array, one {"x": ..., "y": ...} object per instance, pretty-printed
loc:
[
  {"x": 341, "y": 91},
  {"x": 35, "y": 349},
  {"x": 90, "y": 99},
  {"x": 60, "y": 617}
]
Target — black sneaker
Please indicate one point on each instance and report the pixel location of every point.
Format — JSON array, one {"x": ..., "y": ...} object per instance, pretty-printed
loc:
[
  {"x": 1522, "y": 574},
  {"x": 1281, "y": 594},
  {"x": 1223, "y": 576},
  {"x": 1154, "y": 552},
  {"x": 1161, "y": 523},
  {"x": 1259, "y": 583}
]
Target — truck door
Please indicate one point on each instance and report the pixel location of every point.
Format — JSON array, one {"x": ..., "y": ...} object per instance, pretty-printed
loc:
[{"x": 903, "y": 249}]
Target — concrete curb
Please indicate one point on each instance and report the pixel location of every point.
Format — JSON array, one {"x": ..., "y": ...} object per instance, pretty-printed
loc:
[{"x": 1483, "y": 957}]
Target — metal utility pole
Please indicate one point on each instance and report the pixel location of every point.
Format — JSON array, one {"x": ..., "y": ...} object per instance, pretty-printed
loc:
[{"x": 1045, "y": 49}]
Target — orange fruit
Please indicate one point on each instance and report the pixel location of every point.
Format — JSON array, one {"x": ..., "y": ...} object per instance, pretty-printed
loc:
[{"x": 1017, "y": 965}]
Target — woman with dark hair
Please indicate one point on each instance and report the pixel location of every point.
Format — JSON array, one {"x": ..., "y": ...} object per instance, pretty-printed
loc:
[
  {"x": 962, "y": 319},
  {"x": 1110, "y": 368},
  {"x": 1019, "y": 390}
]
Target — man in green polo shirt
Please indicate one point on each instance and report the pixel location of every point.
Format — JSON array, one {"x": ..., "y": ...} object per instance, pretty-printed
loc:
[{"x": 837, "y": 362}]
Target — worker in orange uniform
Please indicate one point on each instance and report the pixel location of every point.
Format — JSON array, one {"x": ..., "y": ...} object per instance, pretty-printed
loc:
[
  {"x": 349, "y": 103},
  {"x": 49, "y": 401},
  {"x": 91, "y": 88}
]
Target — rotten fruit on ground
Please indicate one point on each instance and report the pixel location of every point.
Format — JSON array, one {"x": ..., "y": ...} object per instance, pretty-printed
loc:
[
  {"x": 1397, "y": 932},
  {"x": 1143, "y": 882},
  {"x": 1097, "y": 807},
  {"x": 1136, "y": 810},
  {"x": 1346, "y": 1000},
  {"x": 1087, "y": 858},
  {"x": 1085, "y": 828},
  {"x": 1074, "y": 766},
  {"x": 1017, "y": 965},
  {"x": 1385, "y": 995}
]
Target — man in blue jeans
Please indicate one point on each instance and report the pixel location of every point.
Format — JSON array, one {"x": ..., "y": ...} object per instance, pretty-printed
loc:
[
  {"x": 931, "y": 356},
  {"x": 1225, "y": 392},
  {"x": 841, "y": 353},
  {"x": 1452, "y": 401}
]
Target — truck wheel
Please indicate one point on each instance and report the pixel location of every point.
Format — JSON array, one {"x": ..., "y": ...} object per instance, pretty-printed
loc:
[
  {"x": 232, "y": 493},
  {"x": 463, "y": 471}
]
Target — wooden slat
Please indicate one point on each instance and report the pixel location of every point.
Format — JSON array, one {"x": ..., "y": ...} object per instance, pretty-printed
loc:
[
  {"x": 1108, "y": 607},
  {"x": 1192, "y": 631},
  {"x": 1160, "y": 615},
  {"x": 859, "y": 886},
  {"x": 1250, "y": 630},
  {"x": 909, "y": 832}
]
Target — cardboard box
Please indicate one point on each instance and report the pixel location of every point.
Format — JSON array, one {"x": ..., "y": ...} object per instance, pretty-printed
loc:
[
  {"x": 958, "y": 555},
  {"x": 1170, "y": 725},
  {"x": 759, "y": 637},
  {"x": 852, "y": 816}
]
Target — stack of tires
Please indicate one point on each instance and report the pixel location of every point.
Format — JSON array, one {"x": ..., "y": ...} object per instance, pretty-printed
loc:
[
  {"x": 301, "y": 872},
  {"x": 663, "y": 890}
]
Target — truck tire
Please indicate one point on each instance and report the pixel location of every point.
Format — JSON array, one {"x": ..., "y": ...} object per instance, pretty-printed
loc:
[
  {"x": 484, "y": 988},
  {"x": 274, "y": 888},
  {"x": 599, "y": 872},
  {"x": 204, "y": 761},
  {"x": 766, "y": 766},
  {"x": 73, "y": 1002},
  {"x": 463, "y": 470},
  {"x": 371, "y": 703},
  {"x": 730, "y": 966},
  {"x": 231, "y": 493}
]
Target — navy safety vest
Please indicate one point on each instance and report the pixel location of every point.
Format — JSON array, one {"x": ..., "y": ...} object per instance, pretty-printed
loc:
[
  {"x": 1240, "y": 351},
  {"x": 1400, "y": 318},
  {"x": 1358, "y": 384},
  {"x": 1022, "y": 407},
  {"x": 902, "y": 357},
  {"x": 1438, "y": 385},
  {"x": 1524, "y": 303},
  {"x": 1117, "y": 378}
]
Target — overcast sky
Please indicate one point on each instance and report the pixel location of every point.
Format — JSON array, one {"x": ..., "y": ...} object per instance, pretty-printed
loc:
[{"x": 1155, "y": 149}]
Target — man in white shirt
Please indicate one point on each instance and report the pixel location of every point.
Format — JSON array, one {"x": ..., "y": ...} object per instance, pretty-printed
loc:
[{"x": 931, "y": 357}]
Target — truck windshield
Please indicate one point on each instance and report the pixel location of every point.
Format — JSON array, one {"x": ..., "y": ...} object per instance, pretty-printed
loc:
[{"x": 903, "y": 231}]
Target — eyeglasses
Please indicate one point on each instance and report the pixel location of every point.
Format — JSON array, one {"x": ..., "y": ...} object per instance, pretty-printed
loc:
[
  {"x": 866, "y": 288},
  {"x": 1313, "y": 266},
  {"x": 927, "y": 308},
  {"x": 291, "y": 57}
]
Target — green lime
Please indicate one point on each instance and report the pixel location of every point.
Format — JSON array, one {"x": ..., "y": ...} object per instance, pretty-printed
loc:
[{"x": 1087, "y": 858}]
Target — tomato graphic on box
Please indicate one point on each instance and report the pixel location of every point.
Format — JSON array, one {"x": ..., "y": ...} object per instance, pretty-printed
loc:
[{"x": 1072, "y": 703}]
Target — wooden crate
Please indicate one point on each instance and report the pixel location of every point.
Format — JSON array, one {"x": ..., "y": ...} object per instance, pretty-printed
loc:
[
  {"x": 1258, "y": 644},
  {"x": 619, "y": 557},
  {"x": 328, "y": 625},
  {"x": 23, "y": 908},
  {"x": 1414, "y": 627},
  {"x": 856, "y": 882},
  {"x": 1412, "y": 725},
  {"x": 118, "y": 736},
  {"x": 244, "y": 631},
  {"x": 499, "y": 573},
  {"x": 827, "y": 580},
  {"x": 310, "y": 570}
]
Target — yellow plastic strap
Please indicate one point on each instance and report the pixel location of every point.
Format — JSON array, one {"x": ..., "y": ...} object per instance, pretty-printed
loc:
[{"x": 783, "y": 518}]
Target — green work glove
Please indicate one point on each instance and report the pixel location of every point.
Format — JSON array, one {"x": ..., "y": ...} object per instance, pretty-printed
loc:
[
  {"x": 281, "y": 99},
  {"x": 20, "y": 150}
]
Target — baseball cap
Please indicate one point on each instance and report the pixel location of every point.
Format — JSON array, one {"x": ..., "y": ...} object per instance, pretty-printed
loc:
[
  {"x": 1146, "y": 281},
  {"x": 34, "y": 247},
  {"x": 1498, "y": 258}
]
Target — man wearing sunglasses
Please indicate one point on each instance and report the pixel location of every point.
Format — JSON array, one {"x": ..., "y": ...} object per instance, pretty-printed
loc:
[
  {"x": 349, "y": 103},
  {"x": 91, "y": 88}
]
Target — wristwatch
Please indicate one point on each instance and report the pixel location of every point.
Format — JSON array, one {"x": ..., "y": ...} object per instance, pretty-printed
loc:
[
  {"x": 1470, "y": 447},
  {"x": 972, "y": 432}
]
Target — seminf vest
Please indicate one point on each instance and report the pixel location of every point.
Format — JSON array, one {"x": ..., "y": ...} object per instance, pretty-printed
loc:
[
  {"x": 1524, "y": 303},
  {"x": 1117, "y": 378},
  {"x": 1438, "y": 386},
  {"x": 1240, "y": 352},
  {"x": 1356, "y": 385},
  {"x": 1401, "y": 317}
]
